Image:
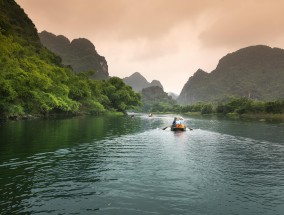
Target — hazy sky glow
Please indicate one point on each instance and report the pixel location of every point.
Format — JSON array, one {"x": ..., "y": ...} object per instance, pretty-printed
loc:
[{"x": 167, "y": 40}]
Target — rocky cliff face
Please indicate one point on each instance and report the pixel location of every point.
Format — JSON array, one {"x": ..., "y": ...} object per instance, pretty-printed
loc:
[
  {"x": 154, "y": 92},
  {"x": 155, "y": 99},
  {"x": 138, "y": 82},
  {"x": 80, "y": 54},
  {"x": 198, "y": 84},
  {"x": 156, "y": 83},
  {"x": 256, "y": 72}
]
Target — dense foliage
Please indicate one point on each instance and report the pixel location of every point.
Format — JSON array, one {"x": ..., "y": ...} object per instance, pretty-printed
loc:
[
  {"x": 237, "y": 105},
  {"x": 162, "y": 105},
  {"x": 33, "y": 80},
  {"x": 32, "y": 83},
  {"x": 244, "y": 105},
  {"x": 154, "y": 99},
  {"x": 256, "y": 72},
  {"x": 80, "y": 54}
]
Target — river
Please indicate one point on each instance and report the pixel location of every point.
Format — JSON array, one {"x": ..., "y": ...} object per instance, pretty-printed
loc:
[{"x": 124, "y": 165}]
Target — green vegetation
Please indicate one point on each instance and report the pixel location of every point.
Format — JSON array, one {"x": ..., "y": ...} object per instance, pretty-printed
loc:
[
  {"x": 80, "y": 54},
  {"x": 34, "y": 82},
  {"x": 255, "y": 72},
  {"x": 235, "y": 106},
  {"x": 154, "y": 99},
  {"x": 158, "y": 105},
  {"x": 244, "y": 105}
]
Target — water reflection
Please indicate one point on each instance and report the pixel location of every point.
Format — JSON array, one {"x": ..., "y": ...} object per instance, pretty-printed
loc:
[{"x": 123, "y": 165}]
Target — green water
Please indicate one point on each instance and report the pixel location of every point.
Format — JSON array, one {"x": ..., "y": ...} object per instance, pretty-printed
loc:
[{"x": 123, "y": 165}]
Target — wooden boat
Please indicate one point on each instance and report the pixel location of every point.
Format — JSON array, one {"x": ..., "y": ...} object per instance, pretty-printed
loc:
[{"x": 178, "y": 127}]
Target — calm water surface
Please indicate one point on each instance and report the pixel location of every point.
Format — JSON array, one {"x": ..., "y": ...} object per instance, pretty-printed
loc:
[{"x": 122, "y": 165}]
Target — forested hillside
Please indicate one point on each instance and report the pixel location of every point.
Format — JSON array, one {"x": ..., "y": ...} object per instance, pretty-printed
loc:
[
  {"x": 34, "y": 82},
  {"x": 255, "y": 72},
  {"x": 80, "y": 54},
  {"x": 154, "y": 99}
]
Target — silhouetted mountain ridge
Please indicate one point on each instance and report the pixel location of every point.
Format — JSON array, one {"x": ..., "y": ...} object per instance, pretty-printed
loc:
[
  {"x": 139, "y": 82},
  {"x": 255, "y": 71},
  {"x": 80, "y": 53},
  {"x": 153, "y": 92},
  {"x": 155, "y": 99}
]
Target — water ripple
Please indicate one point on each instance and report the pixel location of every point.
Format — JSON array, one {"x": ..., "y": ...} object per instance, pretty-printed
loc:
[{"x": 151, "y": 172}]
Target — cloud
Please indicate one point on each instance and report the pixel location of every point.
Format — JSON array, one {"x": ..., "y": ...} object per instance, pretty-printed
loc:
[
  {"x": 145, "y": 27},
  {"x": 245, "y": 23},
  {"x": 125, "y": 19},
  {"x": 163, "y": 39}
]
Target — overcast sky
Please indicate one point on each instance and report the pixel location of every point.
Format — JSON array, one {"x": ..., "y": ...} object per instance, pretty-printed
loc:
[{"x": 167, "y": 40}]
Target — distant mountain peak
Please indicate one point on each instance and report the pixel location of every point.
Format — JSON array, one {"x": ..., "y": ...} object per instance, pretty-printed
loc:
[
  {"x": 156, "y": 83},
  {"x": 80, "y": 53},
  {"x": 257, "y": 71},
  {"x": 83, "y": 45},
  {"x": 139, "y": 82},
  {"x": 252, "y": 55},
  {"x": 153, "y": 95},
  {"x": 200, "y": 72},
  {"x": 137, "y": 75}
]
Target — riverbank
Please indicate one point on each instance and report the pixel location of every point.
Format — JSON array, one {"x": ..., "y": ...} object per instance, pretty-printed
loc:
[
  {"x": 56, "y": 115},
  {"x": 262, "y": 117}
]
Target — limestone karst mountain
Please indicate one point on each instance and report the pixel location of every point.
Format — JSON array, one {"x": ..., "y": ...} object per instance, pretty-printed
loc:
[
  {"x": 255, "y": 72},
  {"x": 138, "y": 82},
  {"x": 80, "y": 54},
  {"x": 154, "y": 99}
]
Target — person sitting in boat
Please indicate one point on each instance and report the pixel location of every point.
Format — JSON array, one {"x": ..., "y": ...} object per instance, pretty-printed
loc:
[
  {"x": 174, "y": 122},
  {"x": 178, "y": 122}
]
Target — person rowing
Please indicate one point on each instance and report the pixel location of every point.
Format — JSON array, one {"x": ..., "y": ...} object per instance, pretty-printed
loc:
[{"x": 178, "y": 124}]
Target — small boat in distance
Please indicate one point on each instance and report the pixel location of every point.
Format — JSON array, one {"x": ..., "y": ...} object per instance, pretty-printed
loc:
[{"x": 178, "y": 127}]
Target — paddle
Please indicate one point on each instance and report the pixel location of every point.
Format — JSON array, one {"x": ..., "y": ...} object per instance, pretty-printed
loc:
[
  {"x": 170, "y": 126},
  {"x": 165, "y": 127},
  {"x": 189, "y": 128}
]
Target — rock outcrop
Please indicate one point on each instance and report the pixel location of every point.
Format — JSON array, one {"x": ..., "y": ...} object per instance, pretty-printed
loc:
[
  {"x": 80, "y": 54},
  {"x": 138, "y": 82},
  {"x": 154, "y": 92},
  {"x": 255, "y": 72}
]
